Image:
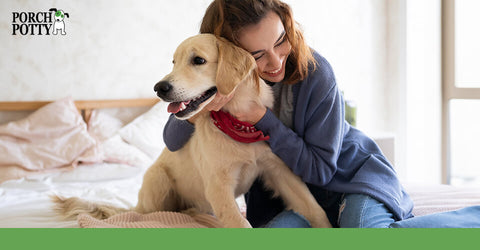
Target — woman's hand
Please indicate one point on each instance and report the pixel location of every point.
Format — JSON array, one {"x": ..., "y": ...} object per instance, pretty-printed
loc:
[
  {"x": 255, "y": 113},
  {"x": 219, "y": 101}
]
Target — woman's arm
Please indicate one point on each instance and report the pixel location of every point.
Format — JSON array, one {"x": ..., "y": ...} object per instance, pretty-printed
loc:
[{"x": 312, "y": 150}]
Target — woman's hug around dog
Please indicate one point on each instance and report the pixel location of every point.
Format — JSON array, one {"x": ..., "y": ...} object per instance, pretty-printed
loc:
[{"x": 212, "y": 169}]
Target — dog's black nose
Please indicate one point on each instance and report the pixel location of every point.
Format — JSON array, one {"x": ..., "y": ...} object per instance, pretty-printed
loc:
[{"x": 162, "y": 87}]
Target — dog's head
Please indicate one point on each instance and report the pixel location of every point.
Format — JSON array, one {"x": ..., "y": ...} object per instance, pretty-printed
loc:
[{"x": 203, "y": 65}]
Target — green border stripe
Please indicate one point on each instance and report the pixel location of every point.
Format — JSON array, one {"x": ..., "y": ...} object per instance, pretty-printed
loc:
[{"x": 244, "y": 239}]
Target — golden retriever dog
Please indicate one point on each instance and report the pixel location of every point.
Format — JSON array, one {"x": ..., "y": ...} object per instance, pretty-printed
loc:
[{"x": 212, "y": 169}]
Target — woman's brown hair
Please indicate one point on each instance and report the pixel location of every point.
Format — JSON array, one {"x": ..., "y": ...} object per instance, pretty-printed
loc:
[{"x": 225, "y": 18}]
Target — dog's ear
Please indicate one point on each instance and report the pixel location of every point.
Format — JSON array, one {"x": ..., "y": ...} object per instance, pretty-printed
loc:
[{"x": 234, "y": 65}]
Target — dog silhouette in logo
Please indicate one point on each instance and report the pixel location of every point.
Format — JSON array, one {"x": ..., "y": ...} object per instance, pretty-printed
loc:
[{"x": 59, "y": 24}]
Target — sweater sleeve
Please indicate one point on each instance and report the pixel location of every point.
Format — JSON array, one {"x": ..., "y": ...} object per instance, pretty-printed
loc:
[
  {"x": 312, "y": 150},
  {"x": 176, "y": 133}
]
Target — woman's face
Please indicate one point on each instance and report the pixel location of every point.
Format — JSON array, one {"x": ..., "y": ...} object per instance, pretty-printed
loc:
[{"x": 268, "y": 44}]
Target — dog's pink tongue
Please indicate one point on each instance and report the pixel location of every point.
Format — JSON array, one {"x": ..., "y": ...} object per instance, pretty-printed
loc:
[{"x": 174, "y": 107}]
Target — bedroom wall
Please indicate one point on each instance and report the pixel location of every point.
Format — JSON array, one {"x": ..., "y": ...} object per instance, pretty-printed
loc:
[
  {"x": 120, "y": 49},
  {"x": 351, "y": 34},
  {"x": 111, "y": 50}
]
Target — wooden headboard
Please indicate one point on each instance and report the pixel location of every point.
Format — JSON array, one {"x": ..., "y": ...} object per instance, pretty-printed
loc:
[{"x": 84, "y": 107}]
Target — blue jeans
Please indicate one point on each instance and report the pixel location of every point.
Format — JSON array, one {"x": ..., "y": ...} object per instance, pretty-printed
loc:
[{"x": 362, "y": 211}]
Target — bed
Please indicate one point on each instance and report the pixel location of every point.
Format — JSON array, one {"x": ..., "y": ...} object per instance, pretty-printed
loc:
[{"x": 99, "y": 150}]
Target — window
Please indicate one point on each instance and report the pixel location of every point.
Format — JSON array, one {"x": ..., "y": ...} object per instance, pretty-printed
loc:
[
  {"x": 467, "y": 44},
  {"x": 461, "y": 92}
]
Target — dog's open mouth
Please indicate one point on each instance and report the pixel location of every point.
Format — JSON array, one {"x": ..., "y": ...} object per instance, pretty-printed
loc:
[{"x": 181, "y": 109}]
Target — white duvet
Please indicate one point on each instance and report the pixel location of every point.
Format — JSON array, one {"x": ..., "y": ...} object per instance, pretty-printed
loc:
[
  {"x": 42, "y": 155},
  {"x": 25, "y": 203}
]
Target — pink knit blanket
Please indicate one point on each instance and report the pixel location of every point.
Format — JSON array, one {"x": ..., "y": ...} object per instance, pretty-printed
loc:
[{"x": 151, "y": 220}]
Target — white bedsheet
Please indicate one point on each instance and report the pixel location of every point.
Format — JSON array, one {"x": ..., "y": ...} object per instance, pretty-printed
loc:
[{"x": 25, "y": 203}]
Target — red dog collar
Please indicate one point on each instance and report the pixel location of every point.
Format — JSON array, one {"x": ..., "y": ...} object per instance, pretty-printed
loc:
[{"x": 237, "y": 130}]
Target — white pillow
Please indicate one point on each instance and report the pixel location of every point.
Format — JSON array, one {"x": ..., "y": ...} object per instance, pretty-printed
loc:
[
  {"x": 116, "y": 150},
  {"x": 113, "y": 149},
  {"x": 103, "y": 126},
  {"x": 146, "y": 131}
]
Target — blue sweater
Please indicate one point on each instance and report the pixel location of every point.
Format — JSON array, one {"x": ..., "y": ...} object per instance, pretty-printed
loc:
[{"x": 323, "y": 149}]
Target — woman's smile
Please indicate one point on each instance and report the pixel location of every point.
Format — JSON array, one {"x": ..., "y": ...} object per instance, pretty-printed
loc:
[{"x": 268, "y": 44}]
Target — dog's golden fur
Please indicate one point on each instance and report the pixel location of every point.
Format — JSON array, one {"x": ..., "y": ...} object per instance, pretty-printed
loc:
[{"x": 212, "y": 169}]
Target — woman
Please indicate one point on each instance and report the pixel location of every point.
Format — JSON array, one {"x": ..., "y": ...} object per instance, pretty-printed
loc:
[{"x": 344, "y": 169}]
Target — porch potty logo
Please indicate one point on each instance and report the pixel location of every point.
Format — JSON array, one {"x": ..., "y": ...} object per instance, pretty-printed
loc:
[{"x": 39, "y": 23}]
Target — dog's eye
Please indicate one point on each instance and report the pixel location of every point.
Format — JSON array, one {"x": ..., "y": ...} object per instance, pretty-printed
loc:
[{"x": 198, "y": 61}]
